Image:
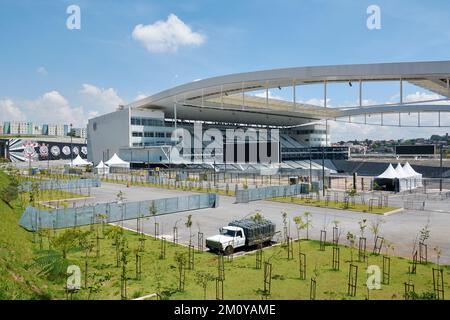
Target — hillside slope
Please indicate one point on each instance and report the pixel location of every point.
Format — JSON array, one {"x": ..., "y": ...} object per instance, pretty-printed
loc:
[{"x": 17, "y": 279}]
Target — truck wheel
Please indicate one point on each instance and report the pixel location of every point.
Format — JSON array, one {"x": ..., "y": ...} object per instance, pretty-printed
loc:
[{"x": 228, "y": 250}]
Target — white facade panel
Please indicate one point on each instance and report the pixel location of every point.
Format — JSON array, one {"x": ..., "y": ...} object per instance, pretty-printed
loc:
[{"x": 107, "y": 134}]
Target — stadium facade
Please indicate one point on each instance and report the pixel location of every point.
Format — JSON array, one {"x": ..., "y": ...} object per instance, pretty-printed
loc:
[{"x": 287, "y": 133}]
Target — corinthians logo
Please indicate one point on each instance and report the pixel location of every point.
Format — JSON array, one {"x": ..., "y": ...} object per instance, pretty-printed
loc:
[
  {"x": 43, "y": 150},
  {"x": 29, "y": 150},
  {"x": 20, "y": 150}
]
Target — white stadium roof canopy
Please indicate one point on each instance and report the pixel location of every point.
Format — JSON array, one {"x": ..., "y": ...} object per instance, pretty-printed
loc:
[{"x": 226, "y": 97}]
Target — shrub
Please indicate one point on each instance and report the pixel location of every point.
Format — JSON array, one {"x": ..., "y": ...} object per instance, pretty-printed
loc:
[{"x": 10, "y": 192}]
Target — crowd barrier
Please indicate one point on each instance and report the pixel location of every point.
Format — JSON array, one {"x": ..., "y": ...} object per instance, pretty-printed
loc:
[
  {"x": 255, "y": 194},
  {"x": 60, "y": 184},
  {"x": 34, "y": 219}
]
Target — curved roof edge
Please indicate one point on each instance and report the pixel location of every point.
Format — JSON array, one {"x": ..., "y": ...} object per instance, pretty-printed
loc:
[{"x": 285, "y": 76}]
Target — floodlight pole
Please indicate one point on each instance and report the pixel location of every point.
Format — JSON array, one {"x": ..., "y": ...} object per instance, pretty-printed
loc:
[
  {"x": 294, "y": 94},
  {"x": 323, "y": 171},
  {"x": 71, "y": 147},
  {"x": 310, "y": 163},
  {"x": 326, "y": 137},
  {"x": 175, "y": 120},
  {"x": 441, "y": 168},
  {"x": 360, "y": 93},
  {"x": 401, "y": 91},
  {"x": 175, "y": 115}
]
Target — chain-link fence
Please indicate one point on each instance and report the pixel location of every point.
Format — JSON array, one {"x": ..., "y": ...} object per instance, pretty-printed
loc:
[
  {"x": 247, "y": 195},
  {"x": 35, "y": 219},
  {"x": 72, "y": 184}
]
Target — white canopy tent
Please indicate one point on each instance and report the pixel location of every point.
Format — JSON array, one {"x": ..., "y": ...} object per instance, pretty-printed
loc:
[
  {"x": 389, "y": 173},
  {"x": 415, "y": 176},
  {"x": 399, "y": 179},
  {"x": 102, "y": 168},
  {"x": 79, "y": 162},
  {"x": 403, "y": 177},
  {"x": 386, "y": 180},
  {"x": 401, "y": 174},
  {"x": 116, "y": 162}
]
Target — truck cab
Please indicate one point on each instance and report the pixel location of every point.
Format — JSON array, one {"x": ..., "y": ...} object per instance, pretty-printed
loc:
[
  {"x": 242, "y": 233},
  {"x": 230, "y": 238}
]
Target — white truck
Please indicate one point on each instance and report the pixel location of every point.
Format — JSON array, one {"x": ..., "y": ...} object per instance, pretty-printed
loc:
[{"x": 241, "y": 233}]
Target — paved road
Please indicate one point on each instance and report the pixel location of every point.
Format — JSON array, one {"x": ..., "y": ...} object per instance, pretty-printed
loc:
[{"x": 399, "y": 228}]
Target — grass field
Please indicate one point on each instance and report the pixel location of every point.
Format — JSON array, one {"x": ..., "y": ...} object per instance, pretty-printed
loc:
[
  {"x": 230, "y": 192},
  {"x": 19, "y": 277},
  {"x": 44, "y": 175},
  {"x": 51, "y": 198},
  {"x": 242, "y": 279},
  {"x": 337, "y": 205}
]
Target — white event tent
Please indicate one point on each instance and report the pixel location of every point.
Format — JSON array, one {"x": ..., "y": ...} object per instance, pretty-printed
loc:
[
  {"x": 116, "y": 162},
  {"x": 416, "y": 177},
  {"x": 79, "y": 162},
  {"x": 389, "y": 173},
  {"x": 403, "y": 178},
  {"x": 399, "y": 179},
  {"x": 386, "y": 180},
  {"x": 102, "y": 168}
]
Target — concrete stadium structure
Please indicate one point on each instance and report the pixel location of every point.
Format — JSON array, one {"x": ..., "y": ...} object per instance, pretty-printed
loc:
[{"x": 141, "y": 132}]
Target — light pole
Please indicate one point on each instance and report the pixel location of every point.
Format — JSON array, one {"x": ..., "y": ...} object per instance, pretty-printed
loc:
[
  {"x": 310, "y": 163},
  {"x": 323, "y": 171},
  {"x": 441, "y": 173},
  {"x": 71, "y": 147}
]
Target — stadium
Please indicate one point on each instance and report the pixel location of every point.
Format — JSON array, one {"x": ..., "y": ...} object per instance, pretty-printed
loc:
[{"x": 142, "y": 132}]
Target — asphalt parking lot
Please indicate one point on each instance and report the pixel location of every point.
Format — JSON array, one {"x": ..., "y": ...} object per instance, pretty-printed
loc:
[{"x": 401, "y": 228}]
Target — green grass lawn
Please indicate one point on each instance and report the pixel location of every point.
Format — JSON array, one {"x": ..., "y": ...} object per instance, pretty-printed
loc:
[
  {"x": 44, "y": 175},
  {"x": 19, "y": 277},
  {"x": 51, "y": 195},
  {"x": 230, "y": 193},
  {"x": 336, "y": 205},
  {"x": 48, "y": 198},
  {"x": 242, "y": 279}
]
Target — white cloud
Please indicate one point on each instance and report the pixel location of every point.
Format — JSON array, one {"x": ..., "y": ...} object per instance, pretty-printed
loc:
[
  {"x": 317, "y": 102},
  {"x": 166, "y": 36},
  {"x": 52, "y": 107},
  {"x": 424, "y": 96},
  {"x": 341, "y": 130},
  {"x": 262, "y": 94},
  {"x": 42, "y": 71},
  {"x": 10, "y": 112},
  {"x": 102, "y": 100},
  {"x": 140, "y": 96},
  {"x": 351, "y": 131},
  {"x": 93, "y": 114}
]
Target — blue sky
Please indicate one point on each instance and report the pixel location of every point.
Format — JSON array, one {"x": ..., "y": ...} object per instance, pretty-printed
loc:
[{"x": 46, "y": 67}]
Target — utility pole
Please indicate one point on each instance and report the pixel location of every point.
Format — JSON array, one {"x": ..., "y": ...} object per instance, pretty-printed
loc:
[
  {"x": 441, "y": 168},
  {"x": 71, "y": 147},
  {"x": 323, "y": 171},
  {"x": 310, "y": 163}
]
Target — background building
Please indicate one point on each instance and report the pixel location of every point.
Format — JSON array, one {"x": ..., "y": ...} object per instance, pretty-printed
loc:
[
  {"x": 80, "y": 132},
  {"x": 140, "y": 132},
  {"x": 22, "y": 128}
]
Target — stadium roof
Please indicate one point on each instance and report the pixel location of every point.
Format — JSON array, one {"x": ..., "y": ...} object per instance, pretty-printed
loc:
[{"x": 226, "y": 98}]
